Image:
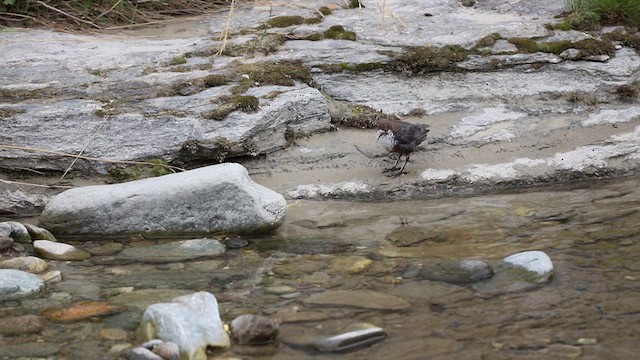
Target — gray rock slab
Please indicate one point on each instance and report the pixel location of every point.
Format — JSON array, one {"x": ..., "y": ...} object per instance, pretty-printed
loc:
[
  {"x": 191, "y": 321},
  {"x": 210, "y": 199},
  {"x": 17, "y": 284},
  {"x": 174, "y": 251}
]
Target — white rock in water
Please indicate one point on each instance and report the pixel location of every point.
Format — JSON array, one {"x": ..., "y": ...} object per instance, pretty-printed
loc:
[
  {"x": 16, "y": 284},
  {"x": 59, "y": 251},
  {"x": 191, "y": 321},
  {"x": 534, "y": 261},
  {"x": 210, "y": 199}
]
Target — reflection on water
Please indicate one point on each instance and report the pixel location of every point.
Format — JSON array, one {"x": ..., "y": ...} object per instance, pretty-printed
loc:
[{"x": 590, "y": 309}]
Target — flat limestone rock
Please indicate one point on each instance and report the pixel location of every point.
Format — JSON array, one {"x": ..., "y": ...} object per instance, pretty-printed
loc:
[{"x": 219, "y": 198}]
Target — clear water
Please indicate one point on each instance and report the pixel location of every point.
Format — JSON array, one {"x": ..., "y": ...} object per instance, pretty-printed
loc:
[{"x": 590, "y": 309}]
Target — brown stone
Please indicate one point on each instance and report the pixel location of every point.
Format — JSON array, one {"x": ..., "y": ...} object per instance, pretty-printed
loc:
[
  {"x": 25, "y": 324},
  {"x": 81, "y": 310}
]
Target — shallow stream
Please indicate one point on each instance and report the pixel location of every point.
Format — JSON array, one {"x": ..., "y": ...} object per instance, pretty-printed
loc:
[{"x": 590, "y": 309}]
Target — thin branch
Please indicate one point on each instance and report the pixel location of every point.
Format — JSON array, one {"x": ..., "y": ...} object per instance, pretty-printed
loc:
[
  {"x": 85, "y": 147},
  {"x": 25, "y": 148},
  {"x": 36, "y": 185},
  {"x": 68, "y": 15},
  {"x": 108, "y": 11}
]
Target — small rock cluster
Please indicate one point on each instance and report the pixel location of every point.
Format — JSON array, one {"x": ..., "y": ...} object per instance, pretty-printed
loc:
[{"x": 18, "y": 243}]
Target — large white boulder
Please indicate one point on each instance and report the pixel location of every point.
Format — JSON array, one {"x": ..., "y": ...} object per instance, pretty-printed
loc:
[{"x": 219, "y": 198}]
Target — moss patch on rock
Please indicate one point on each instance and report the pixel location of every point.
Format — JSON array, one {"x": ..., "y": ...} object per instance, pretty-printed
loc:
[
  {"x": 629, "y": 92},
  {"x": 629, "y": 38},
  {"x": 283, "y": 73},
  {"x": 233, "y": 103},
  {"x": 360, "y": 116},
  {"x": 335, "y": 32},
  {"x": 6, "y": 113},
  {"x": 129, "y": 172},
  {"x": 420, "y": 60},
  {"x": 264, "y": 44}
]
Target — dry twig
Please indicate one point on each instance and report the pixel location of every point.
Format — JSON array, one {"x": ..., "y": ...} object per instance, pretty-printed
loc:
[{"x": 68, "y": 15}]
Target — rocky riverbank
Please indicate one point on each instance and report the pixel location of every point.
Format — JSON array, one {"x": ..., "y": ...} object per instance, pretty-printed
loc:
[{"x": 511, "y": 99}]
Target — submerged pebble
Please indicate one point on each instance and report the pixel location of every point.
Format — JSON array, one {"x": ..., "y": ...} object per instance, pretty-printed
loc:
[{"x": 253, "y": 329}]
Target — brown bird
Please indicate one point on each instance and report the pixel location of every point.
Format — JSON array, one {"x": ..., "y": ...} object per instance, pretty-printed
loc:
[{"x": 401, "y": 137}]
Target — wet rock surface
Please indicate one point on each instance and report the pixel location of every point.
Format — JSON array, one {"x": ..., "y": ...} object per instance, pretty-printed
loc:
[
  {"x": 501, "y": 118},
  {"x": 206, "y": 200},
  {"x": 507, "y": 107},
  {"x": 589, "y": 235}
]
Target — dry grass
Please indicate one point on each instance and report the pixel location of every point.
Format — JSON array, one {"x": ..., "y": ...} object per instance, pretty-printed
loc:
[{"x": 106, "y": 14}]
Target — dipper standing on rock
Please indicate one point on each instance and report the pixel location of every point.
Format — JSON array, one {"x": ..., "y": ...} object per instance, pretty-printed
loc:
[{"x": 401, "y": 137}]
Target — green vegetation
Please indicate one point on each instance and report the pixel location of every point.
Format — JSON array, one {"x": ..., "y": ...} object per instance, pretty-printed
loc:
[
  {"x": 178, "y": 60},
  {"x": 129, "y": 172},
  {"x": 587, "y": 47},
  {"x": 354, "y": 4},
  {"x": 240, "y": 102},
  {"x": 6, "y": 113},
  {"x": 360, "y": 116},
  {"x": 629, "y": 92},
  {"x": 420, "y": 60},
  {"x": 283, "y": 73},
  {"x": 590, "y": 14},
  {"x": 264, "y": 44},
  {"x": 631, "y": 39},
  {"x": 335, "y": 32},
  {"x": 325, "y": 11}
]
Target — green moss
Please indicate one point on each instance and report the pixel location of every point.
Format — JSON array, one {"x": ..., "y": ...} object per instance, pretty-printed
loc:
[
  {"x": 590, "y": 47},
  {"x": 421, "y": 60},
  {"x": 555, "y": 47},
  {"x": 284, "y": 21},
  {"x": 265, "y": 44},
  {"x": 240, "y": 102},
  {"x": 180, "y": 69},
  {"x": 564, "y": 26},
  {"x": 582, "y": 98},
  {"x": 178, "y": 60},
  {"x": 128, "y": 172},
  {"x": 354, "y": 4},
  {"x": 96, "y": 72},
  {"x": 214, "y": 80},
  {"x": 149, "y": 70},
  {"x": 524, "y": 45},
  {"x": 22, "y": 94},
  {"x": 335, "y": 32},
  {"x": 312, "y": 21},
  {"x": 282, "y": 73},
  {"x": 488, "y": 40},
  {"x": 338, "y": 32},
  {"x": 631, "y": 38},
  {"x": 6, "y": 113},
  {"x": 360, "y": 116},
  {"x": 629, "y": 92},
  {"x": 325, "y": 11}
]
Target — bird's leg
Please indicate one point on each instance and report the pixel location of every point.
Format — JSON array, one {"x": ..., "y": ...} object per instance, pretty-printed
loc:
[
  {"x": 403, "y": 165},
  {"x": 394, "y": 165}
]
